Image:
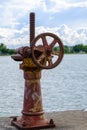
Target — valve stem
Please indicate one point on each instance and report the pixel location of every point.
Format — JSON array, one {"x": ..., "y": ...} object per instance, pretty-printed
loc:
[{"x": 32, "y": 27}]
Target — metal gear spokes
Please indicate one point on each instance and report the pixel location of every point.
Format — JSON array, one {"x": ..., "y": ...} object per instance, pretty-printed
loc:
[{"x": 50, "y": 49}]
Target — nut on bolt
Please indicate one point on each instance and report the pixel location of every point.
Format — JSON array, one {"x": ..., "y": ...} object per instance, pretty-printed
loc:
[
  {"x": 51, "y": 121},
  {"x": 14, "y": 118},
  {"x": 24, "y": 124}
]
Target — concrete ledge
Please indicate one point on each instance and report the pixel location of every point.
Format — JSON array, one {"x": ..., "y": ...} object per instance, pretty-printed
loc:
[{"x": 65, "y": 120}]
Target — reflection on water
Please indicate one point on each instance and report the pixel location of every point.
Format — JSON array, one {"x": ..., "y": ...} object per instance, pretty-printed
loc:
[{"x": 63, "y": 88}]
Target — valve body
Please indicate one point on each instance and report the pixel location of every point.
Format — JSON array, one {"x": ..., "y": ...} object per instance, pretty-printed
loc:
[{"x": 32, "y": 114}]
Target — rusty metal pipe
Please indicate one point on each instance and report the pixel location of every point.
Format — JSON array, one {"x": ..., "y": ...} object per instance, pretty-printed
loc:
[{"x": 32, "y": 27}]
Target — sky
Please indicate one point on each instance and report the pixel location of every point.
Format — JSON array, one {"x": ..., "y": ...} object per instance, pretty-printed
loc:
[{"x": 66, "y": 18}]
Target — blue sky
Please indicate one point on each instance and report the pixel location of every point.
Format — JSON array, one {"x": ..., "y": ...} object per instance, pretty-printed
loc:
[{"x": 14, "y": 17}]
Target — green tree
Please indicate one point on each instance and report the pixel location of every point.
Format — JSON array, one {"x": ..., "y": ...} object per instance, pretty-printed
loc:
[
  {"x": 56, "y": 48},
  {"x": 85, "y": 48},
  {"x": 78, "y": 48},
  {"x": 3, "y": 48},
  {"x": 66, "y": 49},
  {"x": 11, "y": 51}
]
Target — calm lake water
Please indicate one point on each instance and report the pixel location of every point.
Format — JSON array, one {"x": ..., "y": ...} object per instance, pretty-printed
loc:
[{"x": 63, "y": 88}]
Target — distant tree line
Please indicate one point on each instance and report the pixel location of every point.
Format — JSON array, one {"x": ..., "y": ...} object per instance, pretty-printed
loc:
[
  {"x": 5, "y": 51},
  {"x": 80, "y": 48}
]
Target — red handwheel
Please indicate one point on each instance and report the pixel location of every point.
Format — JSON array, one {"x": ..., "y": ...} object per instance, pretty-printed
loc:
[{"x": 47, "y": 50}]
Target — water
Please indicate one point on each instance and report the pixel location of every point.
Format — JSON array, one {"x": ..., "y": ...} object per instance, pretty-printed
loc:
[{"x": 63, "y": 88}]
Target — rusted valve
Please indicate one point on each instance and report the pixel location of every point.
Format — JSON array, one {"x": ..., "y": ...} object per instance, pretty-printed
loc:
[
  {"x": 49, "y": 55},
  {"x": 45, "y": 52}
]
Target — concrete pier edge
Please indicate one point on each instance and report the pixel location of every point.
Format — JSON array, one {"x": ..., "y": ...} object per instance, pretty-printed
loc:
[{"x": 64, "y": 120}]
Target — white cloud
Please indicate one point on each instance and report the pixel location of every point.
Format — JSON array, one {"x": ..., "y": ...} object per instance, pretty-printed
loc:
[
  {"x": 42, "y": 29},
  {"x": 61, "y": 5},
  {"x": 14, "y": 37},
  {"x": 13, "y": 10},
  {"x": 13, "y": 13},
  {"x": 22, "y": 4},
  {"x": 6, "y": 32},
  {"x": 67, "y": 35}
]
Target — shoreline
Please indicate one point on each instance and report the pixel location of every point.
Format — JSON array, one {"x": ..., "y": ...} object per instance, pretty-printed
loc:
[{"x": 64, "y": 54}]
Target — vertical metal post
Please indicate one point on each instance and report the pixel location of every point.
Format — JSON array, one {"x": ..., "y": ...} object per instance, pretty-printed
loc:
[
  {"x": 33, "y": 116},
  {"x": 32, "y": 27}
]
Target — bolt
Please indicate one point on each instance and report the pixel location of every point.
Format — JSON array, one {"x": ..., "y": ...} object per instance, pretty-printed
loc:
[
  {"x": 15, "y": 118},
  {"x": 24, "y": 124},
  {"x": 51, "y": 121}
]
